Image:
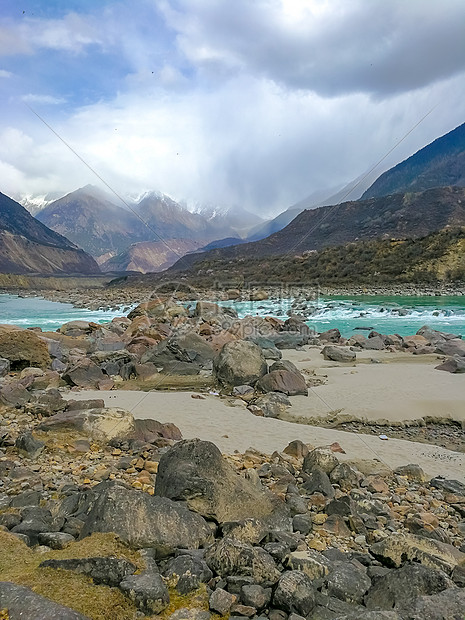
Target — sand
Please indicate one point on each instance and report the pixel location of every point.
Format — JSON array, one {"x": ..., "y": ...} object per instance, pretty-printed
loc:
[
  {"x": 234, "y": 428},
  {"x": 400, "y": 387}
]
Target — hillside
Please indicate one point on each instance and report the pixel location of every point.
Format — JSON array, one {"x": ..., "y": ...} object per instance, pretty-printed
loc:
[
  {"x": 398, "y": 216},
  {"x": 28, "y": 246},
  {"x": 440, "y": 164},
  {"x": 93, "y": 222},
  {"x": 437, "y": 257},
  {"x": 150, "y": 256}
]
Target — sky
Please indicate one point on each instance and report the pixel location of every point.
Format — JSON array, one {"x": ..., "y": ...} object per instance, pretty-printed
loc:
[{"x": 253, "y": 103}]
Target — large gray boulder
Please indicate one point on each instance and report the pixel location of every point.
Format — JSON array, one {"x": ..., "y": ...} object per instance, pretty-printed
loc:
[
  {"x": 196, "y": 472},
  {"x": 24, "y": 604},
  {"x": 142, "y": 520},
  {"x": 446, "y": 605},
  {"x": 398, "y": 588},
  {"x": 239, "y": 363},
  {"x": 294, "y": 593}
]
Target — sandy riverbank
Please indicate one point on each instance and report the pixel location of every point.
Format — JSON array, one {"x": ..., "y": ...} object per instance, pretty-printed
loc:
[{"x": 235, "y": 428}]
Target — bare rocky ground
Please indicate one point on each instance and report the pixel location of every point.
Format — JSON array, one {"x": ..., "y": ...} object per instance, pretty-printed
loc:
[{"x": 104, "y": 516}]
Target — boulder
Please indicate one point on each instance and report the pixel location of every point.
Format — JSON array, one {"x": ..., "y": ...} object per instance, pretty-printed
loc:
[
  {"x": 147, "y": 591},
  {"x": 4, "y": 367},
  {"x": 332, "y": 335},
  {"x": 271, "y": 405},
  {"x": 195, "y": 471},
  {"x": 185, "y": 573},
  {"x": 348, "y": 582},
  {"x": 22, "y": 603},
  {"x": 228, "y": 556},
  {"x": 23, "y": 348},
  {"x": 14, "y": 394},
  {"x": 320, "y": 458},
  {"x": 99, "y": 424},
  {"x": 454, "y": 365},
  {"x": 290, "y": 383},
  {"x": 339, "y": 354},
  {"x": 238, "y": 363},
  {"x": 446, "y": 605},
  {"x": 221, "y": 601},
  {"x": 142, "y": 520},
  {"x": 108, "y": 571},
  {"x": 294, "y": 593},
  {"x": 84, "y": 373},
  {"x": 453, "y": 347},
  {"x": 398, "y": 588},
  {"x": 28, "y": 446},
  {"x": 400, "y": 548}
]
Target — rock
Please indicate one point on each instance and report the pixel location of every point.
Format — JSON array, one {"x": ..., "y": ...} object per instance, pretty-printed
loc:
[
  {"x": 345, "y": 476},
  {"x": 23, "y": 348},
  {"x": 453, "y": 347},
  {"x": 296, "y": 324},
  {"x": 146, "y": 372},
  {"x": 458, "y": 576},
  {"x": 310, "y": 562},
  {"x": 454, "y": 365},
  {"x": 297, "y": 449},
  {"x": 147, "y": 591},
  {"x": 398, "y": 588},
  {"x": 412, "y": 472},
  {"x": 186, "y": 573},
  {"x": 290, "y": 340},
  {"x": 4, "y": 367},
  {"x": 28, "y": 446},
  {"x": 185, "y": 613},
  {"x": 348, "y": 583},
  {"x": 450, "y": 486},
  {"x": 320, "y": 458},
  {"x": 55, "y": 540},
  {"x": 221, "y": 601},
  {"x": 268, "y": 347},
  {"x": 256, "y": 596},
  {"x": 22, "y": 603},
  {"x": 374, "y": 343},
  {"x": 238, "y": 363},
  {"x": 102, "y": 570},
  {"x": 399, "y": 548},
  {"x": 13, "y": 394},
  {"x": 339, "y": 354},
  {"x": 149, "y": 430},
  {"x": 196, "y": 472},
  {"x": 228, "y": 556},
  {"x": 271, "y": 405},
  {"x": 302, "y": 523},
  {"x": 100, "y": 424},
  {"x": 332, "y": 335},
  {"x": 142, "y": 520},
  {"x": 318, "y": 482},
  {"x": 35, "y": 521},
  {"x": 446, "y": 605},
  {"x": 284, "y": 381},
  {"x": 294, "y": 593},
  {"x": 84, "y": 373}
]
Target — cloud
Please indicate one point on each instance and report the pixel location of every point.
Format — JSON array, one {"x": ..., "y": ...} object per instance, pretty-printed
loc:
[
  {"x": 257, "y": 104},
  {"x": 5, "y": 74},
  {"x": 329, "y": 47},
  {"x": 42, "y": 99}
]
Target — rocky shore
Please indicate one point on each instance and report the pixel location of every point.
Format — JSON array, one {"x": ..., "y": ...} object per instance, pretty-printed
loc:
[{"x": 106, "y": 516}]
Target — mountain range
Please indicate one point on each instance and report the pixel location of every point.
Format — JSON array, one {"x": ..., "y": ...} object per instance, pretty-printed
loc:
[
  {"x": 27, "y": 246},
  {"x": 407, "y": 215},
  {"x": 422, "y": 194}
]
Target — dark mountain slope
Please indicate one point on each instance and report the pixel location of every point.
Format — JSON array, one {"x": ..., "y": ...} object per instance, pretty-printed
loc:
[
  {"x": 28, "y": 246},
  {"x": 440, "y": 164},
  {"x": 398, "y": 216}
]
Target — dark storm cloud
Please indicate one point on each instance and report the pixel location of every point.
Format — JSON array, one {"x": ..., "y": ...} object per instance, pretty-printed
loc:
[{"x": 333, "y": 48}]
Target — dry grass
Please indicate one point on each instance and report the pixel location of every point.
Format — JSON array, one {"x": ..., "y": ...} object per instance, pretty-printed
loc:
[
  {"x": 168, "y": 382},
  {"x": 20, "y": 564}
]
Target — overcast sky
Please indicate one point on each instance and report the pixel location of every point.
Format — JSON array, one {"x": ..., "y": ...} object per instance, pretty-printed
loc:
[{"x": 257, "y": 103}]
